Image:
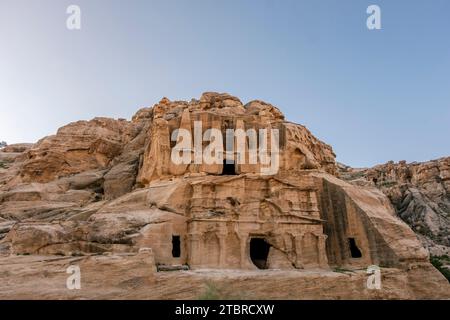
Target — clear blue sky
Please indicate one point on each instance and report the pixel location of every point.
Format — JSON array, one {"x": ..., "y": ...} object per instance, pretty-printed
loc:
[{"x": 373, "y": 95}]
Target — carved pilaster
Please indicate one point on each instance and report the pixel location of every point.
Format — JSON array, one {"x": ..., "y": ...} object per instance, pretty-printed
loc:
[
  {"x": 195, "y": 245},
  {"x": 243, "y": 245},
  {"x": 298, "y": 250},
  {"x": 322, "y": 253},
  {"x": 222, "y": 249}
]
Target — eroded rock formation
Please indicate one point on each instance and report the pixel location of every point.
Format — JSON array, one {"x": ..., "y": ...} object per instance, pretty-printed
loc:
[
  {"x": 420, "y": 193},
  {"x": 111, "y": 187}
]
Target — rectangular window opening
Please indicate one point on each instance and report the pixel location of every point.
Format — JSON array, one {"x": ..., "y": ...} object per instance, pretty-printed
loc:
[
  {"x": 354, "y": 250},
  {"x": 176, "y": 248}
]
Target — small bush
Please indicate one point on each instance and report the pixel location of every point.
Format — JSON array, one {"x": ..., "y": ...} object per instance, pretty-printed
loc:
[
  {"x": 213, "y": 292},
  {"x": 342, "y": 270},
  {"x": 388, "y": 183},
  {"x": 438, "y": 263}
]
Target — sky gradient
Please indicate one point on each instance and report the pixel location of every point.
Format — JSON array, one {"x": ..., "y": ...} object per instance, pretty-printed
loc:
[{"x": 374, "y": 96}]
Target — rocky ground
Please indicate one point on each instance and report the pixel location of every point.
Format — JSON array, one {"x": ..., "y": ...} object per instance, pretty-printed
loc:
[{"x": 132, "y": 277}]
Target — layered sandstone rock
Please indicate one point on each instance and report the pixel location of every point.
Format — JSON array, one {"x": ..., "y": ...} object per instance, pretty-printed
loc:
[
  {"x": 109, "y": 188},
  {"x": 130, "y": 276},
  {"x": 77, "y": 147},
  {"x": 420, "y": 194},
  {"x": 301, "y": 150}
]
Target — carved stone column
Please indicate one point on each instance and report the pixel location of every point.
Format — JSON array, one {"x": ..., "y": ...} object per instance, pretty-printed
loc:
[
  {"x": 222, "y": 249},
  {"x": 243, "y": 245},
  {"x": 298, "y": 250},
  {"x": 195, "y": 245},
  {"x": 322, "y": 252}
]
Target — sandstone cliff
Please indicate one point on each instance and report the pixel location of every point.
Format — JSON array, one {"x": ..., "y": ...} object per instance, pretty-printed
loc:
[
  {"x": 420, "y": 193},
  {"x": 108, "y": 188}
]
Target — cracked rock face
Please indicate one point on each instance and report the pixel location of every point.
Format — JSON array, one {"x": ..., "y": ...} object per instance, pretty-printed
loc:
[
  {"x": 108, "y": 188},
  {"x": 420, "y": 194}
]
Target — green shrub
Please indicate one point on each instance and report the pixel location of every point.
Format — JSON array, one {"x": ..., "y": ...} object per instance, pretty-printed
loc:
[
  {"x": 388, "y": 183},
  {"x": 342, "y": 270},
  {"x": 438, "y": 263},
  {"x": 213, "y": 292}
]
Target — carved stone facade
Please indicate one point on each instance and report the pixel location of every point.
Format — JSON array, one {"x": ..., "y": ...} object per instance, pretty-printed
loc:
[
  {"x": 227, "y": 214},
  {"x": 239, "y": 214},
  {"x": 235, "y": 215},
  {"x": 209, "y": 215},
  {"x": 293, "y": 154}
]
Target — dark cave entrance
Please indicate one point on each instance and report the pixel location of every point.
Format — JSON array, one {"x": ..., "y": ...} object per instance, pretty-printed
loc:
[
  {"x": 228, "y": 168},
  {"x": 354, "y": 250},
  {"x": 259, "y": 251},
  {"x": 176, "y": 248}
]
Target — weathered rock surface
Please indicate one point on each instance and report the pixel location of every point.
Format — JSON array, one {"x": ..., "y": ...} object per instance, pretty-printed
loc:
[
  {"x": 420, "y": 194},
  {"x": 99, "y": 192},
  {"x": 77, "y": 147},
  {"x": 128, "y": 276}
]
